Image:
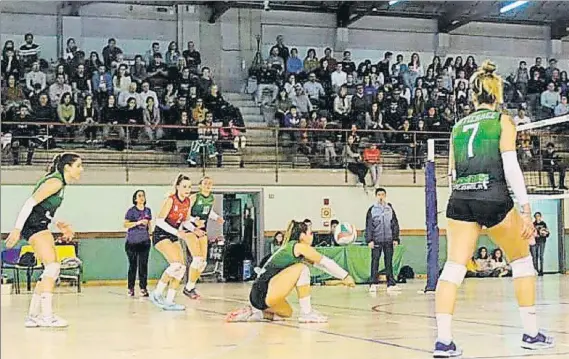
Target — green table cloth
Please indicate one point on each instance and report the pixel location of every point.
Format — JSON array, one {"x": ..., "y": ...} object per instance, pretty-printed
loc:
[{"x": 356, "y": 259}]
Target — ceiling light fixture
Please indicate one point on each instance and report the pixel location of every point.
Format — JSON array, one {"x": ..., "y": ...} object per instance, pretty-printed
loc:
[
  {"x": 393, "y": 2},
  {"x": 512, "y": 6}
]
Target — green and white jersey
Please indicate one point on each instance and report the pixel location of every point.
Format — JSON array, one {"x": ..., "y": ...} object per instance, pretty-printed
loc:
[
  {"x": 202, "y": 206},
  {"x": 477, "y": 157},
  {"x": 44, "y": 211}
]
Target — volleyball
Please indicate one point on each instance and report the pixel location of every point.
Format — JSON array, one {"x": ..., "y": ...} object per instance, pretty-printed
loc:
[{"x": 345, "y": 233}]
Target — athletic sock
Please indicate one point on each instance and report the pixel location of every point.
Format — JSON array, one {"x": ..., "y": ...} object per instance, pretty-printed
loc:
[
  {"x": 35, "y": 305},
  {"x": 305, "y": 305},
  {"x": 160, "y": 287},
  {"x": 190, "y": 285},
  {"x": 46, "y": 304},
  {"x": 170, "y": 295},
  {"x": 529, "y": 320},
  {"x": 256, "y": 314},
  {"x": 444, "y": 324}
]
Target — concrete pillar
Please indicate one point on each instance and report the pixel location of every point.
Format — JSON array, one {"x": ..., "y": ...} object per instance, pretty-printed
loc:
[
  {"x": 73, "y": 27},
  {"x": 442, "y": 44},
  {"x": 556, "y": 49},
  {"x": 341, "y": 42}
]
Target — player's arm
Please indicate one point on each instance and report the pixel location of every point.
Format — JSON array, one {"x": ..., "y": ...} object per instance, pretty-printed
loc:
[
  {"x": 161, "y": 218},
  {"x": 48, "y": 188},
  {"x": 512, "y": 169},
  {"x": 319, "y": 261},
  {"x": 451, "y": 164}
]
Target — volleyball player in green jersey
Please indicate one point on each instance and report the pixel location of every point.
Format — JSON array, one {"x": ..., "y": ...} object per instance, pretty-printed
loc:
[
  {"x": 285, "y": 270},
  {"x": 33, "y": 223},
  {"x": 201, "y": 211},
  {"x": 482, "y": 162}
]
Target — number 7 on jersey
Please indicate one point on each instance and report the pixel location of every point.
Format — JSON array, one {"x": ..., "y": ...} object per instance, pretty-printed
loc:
[{"x": 474, "y": 128}]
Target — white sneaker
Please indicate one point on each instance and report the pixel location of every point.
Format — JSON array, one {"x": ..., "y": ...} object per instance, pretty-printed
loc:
[
  {"x": 373, "y": 288},
  {"x": 393, "y": 288},
  {"x": 32, "y": 321},
  {"x": 53, "y": 322},
  {"x": 313, "y": 317}
]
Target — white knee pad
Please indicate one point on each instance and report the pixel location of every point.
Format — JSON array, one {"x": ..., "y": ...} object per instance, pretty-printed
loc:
[
  {"x": 52, "y": 270},
  {"x": 199, "y": 264},
  {"x": 523, "y": 267},
  {"x": 453, "y": 273},
  {"x": 304, "y": 278},
  {"x": 176, "y": 270}
]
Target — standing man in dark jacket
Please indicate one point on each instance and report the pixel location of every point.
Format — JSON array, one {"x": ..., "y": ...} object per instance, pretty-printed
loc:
[{"x": 382, "y": 233}]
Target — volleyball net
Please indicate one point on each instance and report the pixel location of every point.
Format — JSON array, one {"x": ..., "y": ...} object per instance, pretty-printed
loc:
[{"x": 543, "y": 154}]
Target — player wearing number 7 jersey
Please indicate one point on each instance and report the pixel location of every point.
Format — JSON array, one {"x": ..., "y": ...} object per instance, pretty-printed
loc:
[{"x": 482, "y": 162}]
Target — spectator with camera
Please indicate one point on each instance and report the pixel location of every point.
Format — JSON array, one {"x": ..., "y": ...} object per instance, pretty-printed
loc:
[
  {"x": 538, "y": 249},
  {"x": 553, "y": 163}
]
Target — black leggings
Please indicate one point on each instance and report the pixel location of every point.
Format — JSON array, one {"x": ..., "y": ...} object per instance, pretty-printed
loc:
[{"x": 137, "y": 254}]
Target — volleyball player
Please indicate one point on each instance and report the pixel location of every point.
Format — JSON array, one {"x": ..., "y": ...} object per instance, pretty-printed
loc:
[
  {"x": 168, "y": 229},
  {"x": 482, "y": 161},
  {"x": 285, "y": 270},
  {"x": 33, "y": 223},
  {"x": 202, "y": 211}
]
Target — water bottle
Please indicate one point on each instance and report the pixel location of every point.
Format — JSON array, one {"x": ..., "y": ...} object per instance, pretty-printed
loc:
[{"x": 246, "y": 270}]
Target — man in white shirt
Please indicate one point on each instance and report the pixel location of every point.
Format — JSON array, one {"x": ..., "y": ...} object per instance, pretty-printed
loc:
[
  {"x": 521, "y": 118},
  {"x": 35, "y": 80},
  {"x": 58, "y": 89},
  {"x": 339, "y": 78},
  {"x": 146, "y": 93},
  {"x": 124, "y": 96}
]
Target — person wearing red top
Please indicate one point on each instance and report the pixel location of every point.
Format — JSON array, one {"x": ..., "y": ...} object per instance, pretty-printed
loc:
[
  {"x": 372, "y": 159},
  {"x": 170, "y": 224}
]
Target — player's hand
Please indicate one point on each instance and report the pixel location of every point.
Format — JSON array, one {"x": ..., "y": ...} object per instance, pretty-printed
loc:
[
  {"x": 66, "y": 231},
  {"x": 349, "y": 282},
  {"x": 198, "y": 232},
  {"x": 220, "y": 220},
  {"x": 371, "y": 245},
  {"x": 199, "y": 223},
  {"x": 13, "y": 238},
  {"x": 144, "y": 222},
  {"x": 528, "y": 230}
]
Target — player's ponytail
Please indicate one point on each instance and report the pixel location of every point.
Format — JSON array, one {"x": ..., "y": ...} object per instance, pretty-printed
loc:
[
  {"x": 294, "y": 230},
  {"x": 181, "y": 177},
  {"x": 60, "y": 161},
  {"x": 486, "y": 85}
]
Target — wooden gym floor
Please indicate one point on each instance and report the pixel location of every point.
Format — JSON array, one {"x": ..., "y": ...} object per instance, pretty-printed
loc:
[{"x": 105, "y": 324}]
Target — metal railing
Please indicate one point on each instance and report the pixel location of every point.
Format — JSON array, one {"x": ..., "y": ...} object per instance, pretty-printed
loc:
[{"x": 275, "y": 148}]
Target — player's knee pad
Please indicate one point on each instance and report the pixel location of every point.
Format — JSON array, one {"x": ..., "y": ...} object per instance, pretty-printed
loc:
[
  {"x": 52, "y": 270},
  {"x": 198, "y": 263},
  {"x": 176, "y": 270},
  {"x": 304, "y": 278},
  {"x": 523, "y": 267},
  {"x": 453, "y": 273}
]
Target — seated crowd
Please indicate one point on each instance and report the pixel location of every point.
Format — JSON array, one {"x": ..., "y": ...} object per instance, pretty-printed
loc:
[
  {"x": 91, "y": 97},
  {"x": 408, "y": 100}
]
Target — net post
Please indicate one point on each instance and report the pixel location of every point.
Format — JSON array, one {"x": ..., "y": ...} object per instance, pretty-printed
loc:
[{"x": 431, "y": 215}]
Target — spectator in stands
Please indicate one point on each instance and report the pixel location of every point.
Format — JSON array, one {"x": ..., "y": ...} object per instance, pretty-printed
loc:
[
  {"x": 36, "y": 81},
  {"x": 348, "y": 65},
  {"x": 184, "y": 133},
  {"x": 564, "y": 83},
  {"x": 132, "y": 115},
  {"x": 282, "y": 105},
  {"x": 535, "y": 87},
  {"x": 374, "y": 121},
  {"x": 537, "y": 68},
  {"x": 125, "y": 96},
  {"x": 10, "y": 64},
  {"x": 418, "y": 103},
  {"x": 552, "y": 163},
  {"x": 60, "y": 69},
  {"x": 359, "y": 106},
  {"x": 301, "y": 101},
  {"x": 522, "y": 78},
  {"x": 8, "y": 45},
  {"x": 328, "y": 57},
  {"x": 80, "y": 84},
  {"x": 551, "y": 69},
  {"x": 266, "y": 80},
  {"x": 43, "y": 111},
  {"x": 193, "y": 57},
  {"x": 381, "y": 234},
  {"x": 207, "y": 142},
  {"x": 315, "y": 91},
  {"x": 214, "y": 102},
  {"x": 350, "y": 84},
  {"x": 111, "y": 118},
  {"x": 446, "y": 80},
  {"x": 484, "y": 263},
  {"x": 499, "y": 265},
  {"x": 372, "y": 159},
  {"x": 521, "y": 117},
  {"x": 138, "y": 70},
  {"x": 562, "y": 108},
  {"x": 29, "y": 52},
  {"x": 23, "y": 135},
  {"x": 290, "y": 86},
  {"x": 157, "y": 72},
  {"x": 137, "y": 222},
  {"x": 146, "y": 93},
  {"x": 66, "y": 114},
  {"x": 353, "y": 160},
  {"x": 110, "y": 53},
  {"x": 149, "y": 54},
  {"x": 549, "y": 99},
  {"x": 343, "y": 107},
  {"x": 407, "y": 143},
  {"x": 324, "y": 75},
  {"x": 172, "y": 55},
  {"x": 121, "y": 80},
  {"x": 12, "y": 94},
  {"x": 311, "y": 62},
  {"x": 102, "y": 84},
  {"x": 415, "y": 71},
  {"x": 205, "y": 81},
  {"x": 292, "y": 118},
  {"x": 93, "y": 64},
  {"x": 470, "y": 66},
  {"x": 185, "y": 82},
  {"x": 89, "y": 118},
  {"x": 231, "y": 134},
  {"x": 383, "y": 66},
  {"x": 57, "y": 90},
  {"x": 199, "y": 112},
  {"x": 339, "y": 78},
  {"x": 276, "y": 62},
  {"x": 538, "y": 249},
  {"x": 70, "y": 50},
  {"x": 282, "y": 50},
  {"x": 399, "y": 68},
  {"x": 294, "y": 63},
  {"x": 192, "y": 96},
  {"x": 436, "y": 66},
  {"x": 151, "y": 120}
]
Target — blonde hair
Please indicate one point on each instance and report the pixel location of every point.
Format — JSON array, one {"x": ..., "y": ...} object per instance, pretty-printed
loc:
[
  {"x": 293, "y": 231},
  {"x": 179, "y": 178},
  {"x": 487, "y": 87}
]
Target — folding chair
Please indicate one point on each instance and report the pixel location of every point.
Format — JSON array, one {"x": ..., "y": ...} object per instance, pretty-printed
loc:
[{"x": 69, "y": 271}]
